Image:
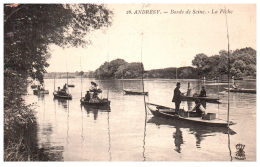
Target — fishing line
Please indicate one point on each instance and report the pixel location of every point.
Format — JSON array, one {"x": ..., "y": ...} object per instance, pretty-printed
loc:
[
  {"x": 109, "y": 138},
  {"x": 108, "y": 62}
]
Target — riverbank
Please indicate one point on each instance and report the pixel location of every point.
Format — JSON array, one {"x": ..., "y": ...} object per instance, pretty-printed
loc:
[{"x": 20, "y": 125}]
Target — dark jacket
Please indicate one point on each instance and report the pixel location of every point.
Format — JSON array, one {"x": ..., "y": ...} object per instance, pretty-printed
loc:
[
  {"x": 177, "y": 95},
  {"x": 203, "y": 93}
]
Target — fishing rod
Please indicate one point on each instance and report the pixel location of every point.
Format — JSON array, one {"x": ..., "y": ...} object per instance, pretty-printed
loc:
[
  {"x": 230, "y": 153},
  {"x": 192, "y": 89},
  {"x": 228, "y": 68},
  {"x": 80, "y": 78},
  {"x": 108, "y": 63},
  {"x": 142, "y": 66}
]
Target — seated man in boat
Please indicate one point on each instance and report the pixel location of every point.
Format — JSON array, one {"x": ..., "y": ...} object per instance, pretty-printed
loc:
[
  {"x": 203, "y": 92},
  {"x": 62, "y": 91},
  {"x": 64, "y": 87},
  {"x": 199, "y": 109},
  {"x": 177, "y": 97},
  {"x": 87, "y": 96}
]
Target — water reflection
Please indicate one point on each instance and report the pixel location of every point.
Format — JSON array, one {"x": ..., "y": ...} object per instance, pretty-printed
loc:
[
  {"x": 200, "y": 132},
  {"x": 62, "y": 102},
  {"x": 70, "y": 125},
  {"x": 178, "y": 139},
  {"x": 95, "y": 109},
  {"x": 109, "y": 138},
  {"x": 145, "y": 122}
]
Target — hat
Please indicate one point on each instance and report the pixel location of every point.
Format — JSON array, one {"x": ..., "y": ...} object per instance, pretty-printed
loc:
[
  {"x": 93, "y": 83},
  {"x": 178, "y": 83}
]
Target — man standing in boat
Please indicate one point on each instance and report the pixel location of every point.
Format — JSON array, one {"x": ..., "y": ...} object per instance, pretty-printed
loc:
[{"x": 177, "y": 97}]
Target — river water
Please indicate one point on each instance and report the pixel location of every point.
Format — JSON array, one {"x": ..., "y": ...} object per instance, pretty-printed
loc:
[{"x": 129, "y": 132}]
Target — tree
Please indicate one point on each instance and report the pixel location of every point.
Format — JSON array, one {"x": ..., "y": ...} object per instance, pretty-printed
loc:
[
  {"x": 28, "y": 31},
  {"x": 200, "y": 61},
  {"x": 30, "y": 28}
]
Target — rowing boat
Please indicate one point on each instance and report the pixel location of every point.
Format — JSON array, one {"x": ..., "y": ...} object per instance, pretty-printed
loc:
[
  {"x": 187, "y": 117},
  {"x": 71, "y": 85},
  {"x": 33, "y": 86},
  {"x": 241, "y": 90},
  {"x": 206, "y": 99},
  {"x": 38, "y": 92},
  {"x": 58, "y": 95},
  {"x": 99, "y": 102},
  {"x": 130, "y": 92}
]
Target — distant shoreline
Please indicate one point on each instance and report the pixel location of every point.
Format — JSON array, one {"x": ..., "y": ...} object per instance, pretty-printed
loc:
[{"x": 132, "y": 79}]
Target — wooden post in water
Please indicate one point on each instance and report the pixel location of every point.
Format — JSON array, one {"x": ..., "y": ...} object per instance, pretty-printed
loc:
[{"x": 228, "y": 70}]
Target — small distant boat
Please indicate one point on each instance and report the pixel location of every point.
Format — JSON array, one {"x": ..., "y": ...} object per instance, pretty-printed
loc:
[
  {"x": 33, "y": 86},
  {"x": 39, "y": 92},
  {"x": 241, "y": 90},
  {"x": 96, "y": 102},
  {"x": 130, "y": 92},
  {"x": 188, "y": 117},
  {"x": 60, "y": 95},
  {"x": 206, "y": 99},
  {"x": 71, "y": 85}
]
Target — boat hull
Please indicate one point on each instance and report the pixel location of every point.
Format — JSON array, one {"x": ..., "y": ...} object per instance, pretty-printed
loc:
[
  {"x": 253, "y": 91},
  {"x": 56, "y": 95},
  {"x": 129, "y": 92},
  {"x": 206, "y": 99},
  {"x": 102, "y": 102},
  {"x": 39, "y": 92},
  {"x": 189, "y": 120}
]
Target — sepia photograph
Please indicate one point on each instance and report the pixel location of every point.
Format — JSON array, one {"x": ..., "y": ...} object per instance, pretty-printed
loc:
[{"x": 129, "y": 82}]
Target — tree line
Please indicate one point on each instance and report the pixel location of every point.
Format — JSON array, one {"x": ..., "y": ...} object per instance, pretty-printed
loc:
[
  {"x": 120, "y": 69},
  {"x": 242, "y": 63}
]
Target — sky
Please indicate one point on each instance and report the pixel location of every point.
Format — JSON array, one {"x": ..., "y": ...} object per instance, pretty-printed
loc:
[{"x": 168, "y": 40}]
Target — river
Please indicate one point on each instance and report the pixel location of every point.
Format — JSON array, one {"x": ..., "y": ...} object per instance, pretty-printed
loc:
[{"x": 129, "y": 132}]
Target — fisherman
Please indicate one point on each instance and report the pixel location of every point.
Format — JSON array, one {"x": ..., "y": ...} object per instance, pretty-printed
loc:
[
  {"x": 65, "y": 87},
  {"x": 199, "y": 109},
  {"x": 203, "y": 92},
  {"x": 93, "y": 87},
  {"x": 63, "y": 91},
  {"x": 177, "y": 97},
  {"x": 87, "y": 96}
]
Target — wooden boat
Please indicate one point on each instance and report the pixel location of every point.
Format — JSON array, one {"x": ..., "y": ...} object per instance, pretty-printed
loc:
[
  {"x": 130, "y": 92},
  {"x": 58, "y": 95},
  {"x": 206, "y": 99},
  {"x": 33, "y": 86},
  {"x": 187, "y": 117},
  {"x": 241, "y": 90},
  {"x": 71, "y": 85},
  {"x": 100, "y": 102},
  {"x": 103, "y": 108},
  {"x": 38, "y": 92}
]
